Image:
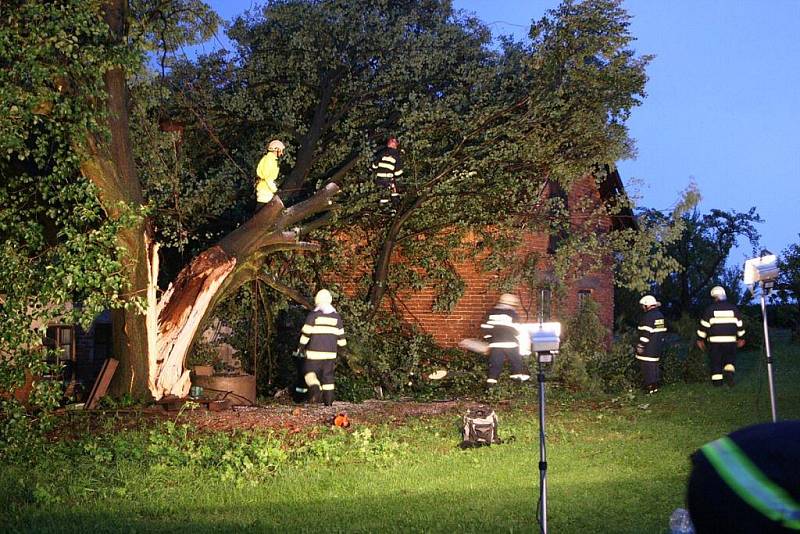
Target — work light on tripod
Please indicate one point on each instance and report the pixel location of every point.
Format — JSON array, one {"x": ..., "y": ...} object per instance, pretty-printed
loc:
[
  {"x": 545, "y": 343},
  {"x": 763, "y": 271}
]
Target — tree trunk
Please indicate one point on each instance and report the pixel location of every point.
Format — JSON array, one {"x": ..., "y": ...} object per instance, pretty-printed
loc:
[{"x": 152, "y": 343}]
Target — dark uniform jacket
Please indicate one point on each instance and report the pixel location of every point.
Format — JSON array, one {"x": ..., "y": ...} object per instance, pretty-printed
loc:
[
  {"x": 499, "y": 328},
  {"x": 387, "y": 167},
  {"x": 721, "y": 323},
  {"x": 651, "y": 336},
  {"x": 322, "y": 334}
]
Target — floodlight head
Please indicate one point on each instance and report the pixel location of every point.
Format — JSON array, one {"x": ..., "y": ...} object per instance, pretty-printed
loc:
[
  {"x": 763, "y": 269},
  {"x": 545, "y": 340}
]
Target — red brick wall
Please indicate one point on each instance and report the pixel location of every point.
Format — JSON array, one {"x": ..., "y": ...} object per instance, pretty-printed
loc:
[{"x": 448, "y": 328}]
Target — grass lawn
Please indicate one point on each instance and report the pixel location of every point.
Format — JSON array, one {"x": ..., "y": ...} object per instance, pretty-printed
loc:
[{"x": 615, "y": 466}]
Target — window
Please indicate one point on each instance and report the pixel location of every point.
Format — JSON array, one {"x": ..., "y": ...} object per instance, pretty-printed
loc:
[
  {"x": 61, "y": 339},
  {"x": 545, "y": 304},
  {"x": 583, "y": 294}
]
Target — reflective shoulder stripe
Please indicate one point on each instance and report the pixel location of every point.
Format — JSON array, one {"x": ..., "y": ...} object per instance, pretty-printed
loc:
[
  {"x": 701, "y": 334},
  {"x": 661, "y": 329},
  {"x": 646, "y": 328},
  {"x": 646, "y": 358},
  {"x": 327, "y": 321},
  {"x": 751, "y": 484},
  {"x": 704, "y": 323},
  {"x": 500, "y": 319},
  {"x": 724, "y": 313},
  {"x": 341, "y": 342},
  {"x": 304, "y": 339},
  {"x": 644, "y": 339}
]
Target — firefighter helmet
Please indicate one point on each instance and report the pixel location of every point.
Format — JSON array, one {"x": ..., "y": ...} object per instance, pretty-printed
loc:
[
  {"x": 718, "y": 293},
  {"x": 323, "y": 298},
  {"x": 509, "y": 300},
  {"x": 276, "y": 146},
  {"x": 649, "y": 300}
]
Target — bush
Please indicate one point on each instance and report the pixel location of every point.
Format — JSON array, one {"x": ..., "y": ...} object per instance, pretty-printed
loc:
[{"x": 584, "y": 347}]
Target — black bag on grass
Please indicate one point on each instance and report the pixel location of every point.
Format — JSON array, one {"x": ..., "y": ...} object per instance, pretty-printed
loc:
[{"x": 480, "y": 428}]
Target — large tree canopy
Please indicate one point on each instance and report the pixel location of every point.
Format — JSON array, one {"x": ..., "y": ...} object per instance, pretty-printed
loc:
[{"x": 95, "y": 188}]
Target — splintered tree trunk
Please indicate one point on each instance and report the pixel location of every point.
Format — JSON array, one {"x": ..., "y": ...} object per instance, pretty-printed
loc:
[
  {"x": 175, "y": 320},
  {"x": 152, "y": 344}
]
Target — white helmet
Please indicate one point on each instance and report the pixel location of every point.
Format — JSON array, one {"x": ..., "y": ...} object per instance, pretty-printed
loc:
[
  {"x": 649, "y": 300},
  {"x": 509, "y": 300},
  {"x": 718, "y": 293},
  {"x": 323, "y": 298},
  {"x": 275, "y": 146}
]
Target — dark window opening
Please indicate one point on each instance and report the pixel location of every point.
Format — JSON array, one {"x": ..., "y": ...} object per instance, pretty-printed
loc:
[
  {"x": 583, "y": 295},
  {"x": 545, "y": 305}
]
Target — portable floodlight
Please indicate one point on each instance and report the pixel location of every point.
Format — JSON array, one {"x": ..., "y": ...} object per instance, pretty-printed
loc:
[
  {"x": 545, "y": 342},
  {"x": 764, "y": 271}
]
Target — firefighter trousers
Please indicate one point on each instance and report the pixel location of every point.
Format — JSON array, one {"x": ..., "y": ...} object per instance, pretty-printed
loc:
[
  {"x": 300, "y": 393},
  {"x": 650, "y": 372},
  {"x": 723, "y": 362},
  {"x": 498, "y": 357},
  {"x": 319, "y": 376}
]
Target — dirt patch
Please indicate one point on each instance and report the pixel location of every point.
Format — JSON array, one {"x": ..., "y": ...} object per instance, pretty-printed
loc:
[{"x": 299, "y": 417}]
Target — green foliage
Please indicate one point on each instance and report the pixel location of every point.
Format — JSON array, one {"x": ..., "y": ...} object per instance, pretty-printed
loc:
[
  {"x": 702, "y": 251},
  {"x": 57, "y": 244},
  {"x": 789, "y": 283},
  {"x": 585, "y": 340}
]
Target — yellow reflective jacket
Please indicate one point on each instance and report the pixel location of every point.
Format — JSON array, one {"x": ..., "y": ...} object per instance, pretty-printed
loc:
[{"x": 267, "y": 172}]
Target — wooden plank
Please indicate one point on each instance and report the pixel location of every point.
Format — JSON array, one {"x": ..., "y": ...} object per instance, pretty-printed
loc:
[{"x": 101, "y": 384}]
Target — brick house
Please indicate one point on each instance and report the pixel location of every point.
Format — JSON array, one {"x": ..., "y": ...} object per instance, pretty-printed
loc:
[{"x": 463, "y": 321}]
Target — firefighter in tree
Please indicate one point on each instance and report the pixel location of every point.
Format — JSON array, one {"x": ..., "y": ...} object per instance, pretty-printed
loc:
[
  {"x": 387, "y": 169},
  {"x": 322, "y": 335},
  {"x": 722, "y": 332},
  {"x": 267, "y": 172},
  {"x": 500, "y": 331},
  {"x": 651, "y": 332}
]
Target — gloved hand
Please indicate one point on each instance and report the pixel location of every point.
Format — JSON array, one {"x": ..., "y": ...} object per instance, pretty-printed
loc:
[
  {"x": 701, "y": 344},
  {"x": 740, "y": 343},
  {"x": 640, "y": 349}
]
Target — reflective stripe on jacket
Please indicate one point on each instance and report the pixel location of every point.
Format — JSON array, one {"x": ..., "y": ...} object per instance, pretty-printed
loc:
[
  {"x": 721, "y": 323},
  {"x": 322, "y": 335},
  {"x": 651, "y": 332},
  {"x": 499, "y": 329}
]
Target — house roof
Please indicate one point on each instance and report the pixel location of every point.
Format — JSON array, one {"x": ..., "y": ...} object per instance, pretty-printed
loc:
[{"x": 611, "y": 188}]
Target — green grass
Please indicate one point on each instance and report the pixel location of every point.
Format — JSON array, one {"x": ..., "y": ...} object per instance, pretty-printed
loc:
[{"x": 615, "y": 466}]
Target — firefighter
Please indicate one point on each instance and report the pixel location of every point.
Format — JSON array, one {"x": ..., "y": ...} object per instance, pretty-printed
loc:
[
  {"x": 722, "y": 332},
  {"x": 322, "y": 335},
  {"x": 387, "y": 168},
  {"x": 267, "y": 172},
  {"x": 748, "y": 481},
  {"x": 501, "y": 334},
  {"x": 651, "y": 341}
]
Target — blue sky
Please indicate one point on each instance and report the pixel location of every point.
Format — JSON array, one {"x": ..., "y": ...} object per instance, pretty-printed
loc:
[{"x": 723, "y": 104}]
